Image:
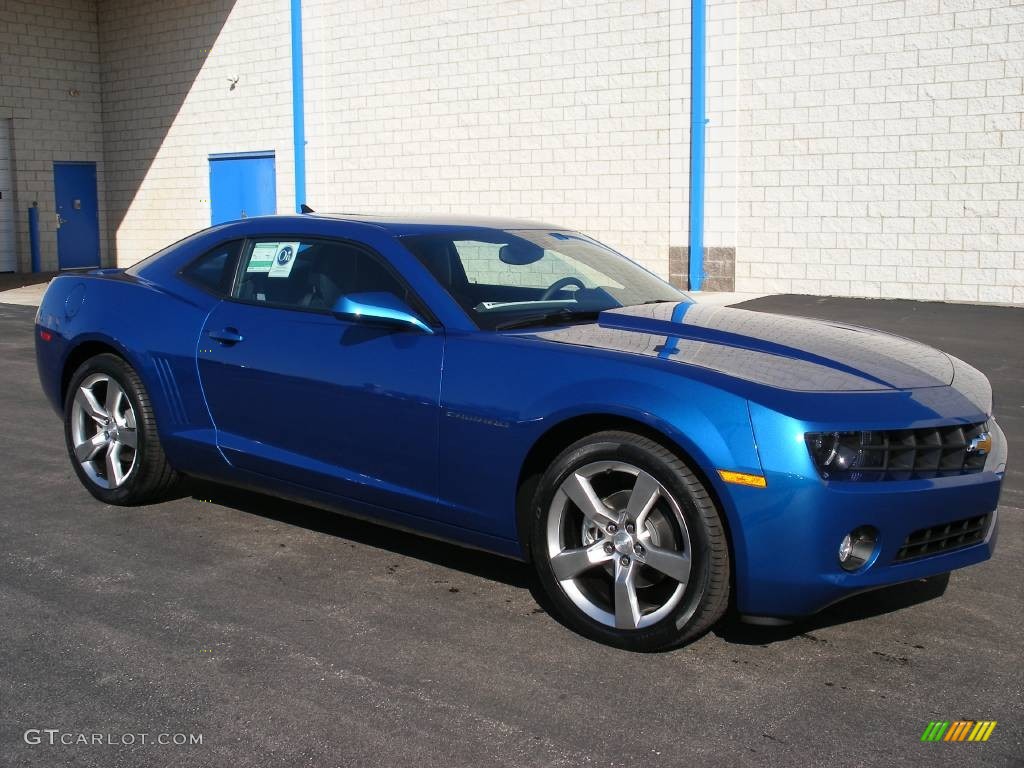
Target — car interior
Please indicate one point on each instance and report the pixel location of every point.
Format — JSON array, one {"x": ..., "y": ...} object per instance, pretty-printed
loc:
[
  {"x": 321, "y": 274},
  {"x": 442, "y": 258}
]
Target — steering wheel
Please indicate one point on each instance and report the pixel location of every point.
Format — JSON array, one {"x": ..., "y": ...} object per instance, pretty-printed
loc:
[{"x": 558, "y": 285}]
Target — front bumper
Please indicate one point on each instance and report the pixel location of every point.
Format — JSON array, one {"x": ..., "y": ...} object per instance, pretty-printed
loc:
[{"x": 786, "y": 536}]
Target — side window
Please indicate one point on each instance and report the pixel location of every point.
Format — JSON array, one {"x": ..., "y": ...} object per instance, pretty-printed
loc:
[
  {"x": 310, "y": 274},
  {"x": 213, "y": 271}
]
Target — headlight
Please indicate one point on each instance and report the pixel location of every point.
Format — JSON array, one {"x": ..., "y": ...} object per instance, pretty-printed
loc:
[{"x": 846, "y": 455}]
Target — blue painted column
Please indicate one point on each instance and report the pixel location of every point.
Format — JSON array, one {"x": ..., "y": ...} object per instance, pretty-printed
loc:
[
  {"x": 298, "y": 107},
  {"x": 698, "y": 119}
]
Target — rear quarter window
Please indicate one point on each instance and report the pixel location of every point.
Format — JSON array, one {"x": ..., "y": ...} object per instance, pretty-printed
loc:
[{"x": 214, "y": 270}]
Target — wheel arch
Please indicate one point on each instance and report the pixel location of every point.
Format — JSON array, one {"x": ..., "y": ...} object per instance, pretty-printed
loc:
[
  {"x": 560, "y": 436},
  {"x": 86, "y": 350}
]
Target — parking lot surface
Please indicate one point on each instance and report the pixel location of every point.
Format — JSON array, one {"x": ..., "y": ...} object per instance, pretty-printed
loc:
[{"x": 287, "y": 636}]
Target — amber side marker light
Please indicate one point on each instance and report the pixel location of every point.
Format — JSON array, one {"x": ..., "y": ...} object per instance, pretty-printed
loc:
[{"x": 742, "y": 478}]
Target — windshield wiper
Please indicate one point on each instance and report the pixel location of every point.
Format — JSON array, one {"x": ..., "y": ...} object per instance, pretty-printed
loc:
[{"x": 548, "y": 318}]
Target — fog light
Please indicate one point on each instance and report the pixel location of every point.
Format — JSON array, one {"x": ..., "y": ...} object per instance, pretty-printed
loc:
[
  {"x": 857, "y": 547},
  {"x": 845, "y": 548}
]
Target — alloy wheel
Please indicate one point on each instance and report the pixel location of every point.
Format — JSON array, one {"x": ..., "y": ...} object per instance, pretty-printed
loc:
[
  {"x": 618, "y": 545},
  {"x": 104, "y": 431}
]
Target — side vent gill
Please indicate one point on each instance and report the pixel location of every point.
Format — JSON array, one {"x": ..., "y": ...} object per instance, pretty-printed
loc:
[{"x": 169, "y": 390}]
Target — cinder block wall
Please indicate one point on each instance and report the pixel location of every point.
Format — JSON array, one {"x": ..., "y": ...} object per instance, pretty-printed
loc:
[
  {"x": 558, "y": 112},
  {"x": 878, "y": 147},
  {"x": 50, "y": 86},
  {"x": 855, "y": 147},
  {"x": 170, "y": 100}
]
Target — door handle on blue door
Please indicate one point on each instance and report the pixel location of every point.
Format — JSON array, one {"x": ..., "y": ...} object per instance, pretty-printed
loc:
[{"x": 226, "y": 336}]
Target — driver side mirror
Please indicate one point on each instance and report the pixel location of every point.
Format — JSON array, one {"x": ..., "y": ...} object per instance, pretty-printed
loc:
[{"x": 381, "y": 309}]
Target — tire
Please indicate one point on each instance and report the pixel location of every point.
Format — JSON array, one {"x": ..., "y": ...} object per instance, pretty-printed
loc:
[
  {"x": 112, "y": 438},
  {"x": 648, "y": 569}
]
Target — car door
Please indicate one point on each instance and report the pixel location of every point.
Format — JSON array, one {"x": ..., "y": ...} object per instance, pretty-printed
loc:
[{"x": 298, "y": 394}]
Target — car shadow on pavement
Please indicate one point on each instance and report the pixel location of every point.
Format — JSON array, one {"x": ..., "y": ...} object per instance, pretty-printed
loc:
[
  {"x": 485, "y": 565},
  {"x": 863, "y": 606},
  {"x": 471, "y": 561},
  {"x": 521, "y": 576}
]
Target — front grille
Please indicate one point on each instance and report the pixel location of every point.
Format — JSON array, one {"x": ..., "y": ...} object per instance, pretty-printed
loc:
[
  {"x": 943, "y": 538},
  {"x": 900, "y": 454}
]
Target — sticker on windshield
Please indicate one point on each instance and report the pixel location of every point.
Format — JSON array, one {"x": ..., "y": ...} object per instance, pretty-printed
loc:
[
  {"x": 262, "y": 258},
  {"x": 284, "y": 258}
]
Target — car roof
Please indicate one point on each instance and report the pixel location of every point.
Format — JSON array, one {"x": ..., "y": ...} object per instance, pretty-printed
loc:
[
  {"x": 401, "y": 222},
  {"x": 406, "y": 224}
]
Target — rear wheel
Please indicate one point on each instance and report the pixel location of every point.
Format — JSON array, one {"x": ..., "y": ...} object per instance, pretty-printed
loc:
[
  {"x": 628, "y": 544},
  {"x": 111, "y": 434}
]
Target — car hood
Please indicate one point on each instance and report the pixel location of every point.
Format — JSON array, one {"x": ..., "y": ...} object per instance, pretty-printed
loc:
[{"x": 775, "y": 350}]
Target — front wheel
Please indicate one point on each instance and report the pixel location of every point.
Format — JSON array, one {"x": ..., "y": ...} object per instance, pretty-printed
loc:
[
  {"x": 628, "y": 544},
  {"x": 111, "y": 434}
]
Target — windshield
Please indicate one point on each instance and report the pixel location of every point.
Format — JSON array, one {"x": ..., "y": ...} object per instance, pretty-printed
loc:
[{"x": 507, "y": 279}]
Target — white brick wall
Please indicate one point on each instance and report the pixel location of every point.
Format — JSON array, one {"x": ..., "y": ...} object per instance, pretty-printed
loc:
[
  {"x": 878, "y": 147},
  {"x": 168, "y": 104},
  {"x": 855, "y": 147},
  {"x": 552, "y": 111},
  {"x": 50, "y": 86}
]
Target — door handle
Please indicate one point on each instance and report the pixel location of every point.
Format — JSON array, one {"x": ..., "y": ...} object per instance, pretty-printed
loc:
[{"x": 226, "y": 336}]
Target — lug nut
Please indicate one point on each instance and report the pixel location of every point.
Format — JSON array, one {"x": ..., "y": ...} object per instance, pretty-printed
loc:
[
  {"x": 638, "y": 548},
  {"x": 630, "y": 528},
  {"x": 624, "y": 562},
  {"x": 608, "y": 548},
  {"x": 612, "y": 527}
]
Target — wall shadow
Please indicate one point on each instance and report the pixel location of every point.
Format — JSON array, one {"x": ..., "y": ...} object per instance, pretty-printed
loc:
[{"x": 151, "y": 53}]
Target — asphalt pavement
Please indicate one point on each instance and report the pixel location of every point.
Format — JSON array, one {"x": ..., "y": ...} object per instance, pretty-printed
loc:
[{"x": 285, "y": 636}]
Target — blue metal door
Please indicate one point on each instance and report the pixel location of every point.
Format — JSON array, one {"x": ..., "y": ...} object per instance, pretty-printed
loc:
[
  {"x": 242, "y": 185},
  {"x": 78, "y": 223}
]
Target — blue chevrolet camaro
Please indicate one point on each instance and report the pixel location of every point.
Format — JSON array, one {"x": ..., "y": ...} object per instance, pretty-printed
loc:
[{"x": 523, "y": 389}]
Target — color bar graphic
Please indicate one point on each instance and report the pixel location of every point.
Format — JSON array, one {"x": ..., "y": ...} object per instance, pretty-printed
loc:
[{"x": 958, "y": 730}]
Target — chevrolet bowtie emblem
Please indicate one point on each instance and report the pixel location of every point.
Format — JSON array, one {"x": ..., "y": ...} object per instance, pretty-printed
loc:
[{"x": 981, "y": 444}]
